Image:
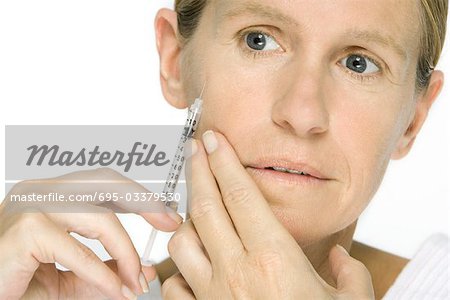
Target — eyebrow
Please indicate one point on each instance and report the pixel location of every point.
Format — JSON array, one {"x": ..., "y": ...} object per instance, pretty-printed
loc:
[
  {"x": 378, "y": 38},
  {"x": 255, "y": 8}
]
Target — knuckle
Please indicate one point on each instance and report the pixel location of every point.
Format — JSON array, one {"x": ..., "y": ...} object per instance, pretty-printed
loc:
[
  {"x": 268, "y": 261},
  {"x": 237, "y": 282},
  {"x": 176, "y": 242},
  {"x": 30, "y": 221},
  {"x": 19, "y": 187},
  {"x": 201, "y": 207},
  {"x": 363, "y": 269},
  {"x": 107, "y": 172},
  {"x": 358, "y": 265},
  {"x": 355, "y": 266},
  {"x": 237, "y": 194},
  {"x": 25, "y": 227},
  {"x": 345, "y": 270},
  {"x": 86, "y": 255},
  {"x": 27, "y": 230},
  {"x": 24, "y": 186},
  {"x": 107, "y": 218}
]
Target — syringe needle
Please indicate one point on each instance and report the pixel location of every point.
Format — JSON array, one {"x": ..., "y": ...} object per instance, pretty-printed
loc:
[{"x": 203, "y": 89}]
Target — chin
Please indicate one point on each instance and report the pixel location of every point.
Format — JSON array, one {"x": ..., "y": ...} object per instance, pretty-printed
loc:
[{"x": 305, "y": 229}]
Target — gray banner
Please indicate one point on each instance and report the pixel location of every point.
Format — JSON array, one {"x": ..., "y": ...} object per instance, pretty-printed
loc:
[
  {"x": 139, "y": 152},
  {"x": 71, "y": 168}
]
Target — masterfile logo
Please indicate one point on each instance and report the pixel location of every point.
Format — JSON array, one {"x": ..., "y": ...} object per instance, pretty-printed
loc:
[
  {"x": 53, "y": 155},
  {"x": 142, "y": 152}
]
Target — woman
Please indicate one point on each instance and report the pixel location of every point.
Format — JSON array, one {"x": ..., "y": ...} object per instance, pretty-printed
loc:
[
  {"x": 331, "y": 89},
  {"x": 331, "y": 100}
]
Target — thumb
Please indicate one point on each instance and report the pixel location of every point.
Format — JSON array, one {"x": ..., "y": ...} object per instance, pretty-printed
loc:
[{"x": 351, "y": 275}]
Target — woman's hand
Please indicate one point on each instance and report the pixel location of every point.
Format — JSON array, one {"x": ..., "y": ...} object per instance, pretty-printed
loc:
[
  {"x": 234, "y": 247},
  {"x": 33, "y": 237}
]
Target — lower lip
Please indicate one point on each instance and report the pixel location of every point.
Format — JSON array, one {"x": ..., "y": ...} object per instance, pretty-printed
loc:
[{"x": 286, "y": 178}]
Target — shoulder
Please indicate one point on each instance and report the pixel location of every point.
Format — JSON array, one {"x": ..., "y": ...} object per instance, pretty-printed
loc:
[
  {"x": 424, "y": 276},
  {"x": 384, "y": 267}
]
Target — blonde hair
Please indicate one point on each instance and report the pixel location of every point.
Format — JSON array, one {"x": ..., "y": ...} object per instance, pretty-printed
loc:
[
  {"x": 433, "y": 20},
  {"x": 434, "y": 25}
]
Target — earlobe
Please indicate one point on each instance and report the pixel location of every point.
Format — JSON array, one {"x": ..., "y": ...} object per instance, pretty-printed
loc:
[
  {"x": 423, "y": 105},
  {"x": 169, "y": 51}
]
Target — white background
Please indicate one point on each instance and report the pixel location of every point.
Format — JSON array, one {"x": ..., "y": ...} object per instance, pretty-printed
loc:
[{"x": 95, "y": 62}]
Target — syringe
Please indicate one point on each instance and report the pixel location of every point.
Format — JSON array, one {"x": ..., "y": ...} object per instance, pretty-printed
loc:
[{"x": 190, "y": 127}]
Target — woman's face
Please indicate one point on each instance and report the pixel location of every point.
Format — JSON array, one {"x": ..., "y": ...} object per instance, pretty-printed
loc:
[{"x": 324, "y": 87}]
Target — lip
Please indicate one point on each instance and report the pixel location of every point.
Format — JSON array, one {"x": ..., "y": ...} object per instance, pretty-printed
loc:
[
  {"x": 286, "y": 178},
  {"x": 262, "y": 165}
]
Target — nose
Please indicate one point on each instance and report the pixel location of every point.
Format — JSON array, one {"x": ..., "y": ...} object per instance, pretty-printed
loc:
[{"x": 301, "y": 107}]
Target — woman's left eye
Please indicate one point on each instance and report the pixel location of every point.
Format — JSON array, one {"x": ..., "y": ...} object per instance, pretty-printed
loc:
[
  {"x": 261, "y": 42},
  {"x": 360, "y": 64}
]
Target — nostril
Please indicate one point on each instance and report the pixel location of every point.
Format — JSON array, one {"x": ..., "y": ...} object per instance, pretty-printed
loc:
[{"x": 317, "y": 130}]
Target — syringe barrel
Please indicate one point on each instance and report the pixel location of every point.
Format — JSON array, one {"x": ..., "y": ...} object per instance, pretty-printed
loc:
[
  {"x": 175, "y": 171},
  {"x": 190, "y": 127},
  {"x": 195, "y": 111}
]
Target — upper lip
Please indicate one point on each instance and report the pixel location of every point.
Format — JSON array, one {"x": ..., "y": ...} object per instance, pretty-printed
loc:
[{"x": 288, "y": 164}]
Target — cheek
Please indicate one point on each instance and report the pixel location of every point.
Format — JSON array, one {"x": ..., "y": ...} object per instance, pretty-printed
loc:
[
  {"x": 367, "y": 137},
  {"x": 234, "y": 99}
]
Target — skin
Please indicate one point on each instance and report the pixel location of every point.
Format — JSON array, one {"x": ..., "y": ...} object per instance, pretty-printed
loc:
[{"x": 299, "y": 101}]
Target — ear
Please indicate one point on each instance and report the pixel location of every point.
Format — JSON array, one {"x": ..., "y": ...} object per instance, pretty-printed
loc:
[
  {"x": 423, "y": 105},
  {"x": 169, "y": 50}
]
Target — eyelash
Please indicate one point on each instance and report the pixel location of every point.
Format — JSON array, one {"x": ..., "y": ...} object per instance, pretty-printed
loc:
[
  {"x": 262, "y": 54},
  {"x": 252, "y": 53},
  {"x": 358, "y": 76}
]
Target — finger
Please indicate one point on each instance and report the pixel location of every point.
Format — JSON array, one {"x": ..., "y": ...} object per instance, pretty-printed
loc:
[
  {"x": 251, "y": 215},
  {"x": 71, "y": 286},
  {"x": 102, "y": 186},
  {"x": 103, "y": 225},
  {"x": 206, "y": 210},
  {"x": 175, "y": 288},
  {"x": 352, "y": 277},
  {"x": 149, "y": 273},
  {"x": 50, "y": 244},
  {"x": 188, "y": 253}
]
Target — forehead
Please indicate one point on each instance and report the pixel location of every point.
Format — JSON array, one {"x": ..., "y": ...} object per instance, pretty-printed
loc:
[
  {"x": 405, "y": 12},
  {"x": 393, "y": 22}
]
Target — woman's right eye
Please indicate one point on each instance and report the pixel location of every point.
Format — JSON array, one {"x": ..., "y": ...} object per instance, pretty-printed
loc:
[{"x": 259, "y": 41}]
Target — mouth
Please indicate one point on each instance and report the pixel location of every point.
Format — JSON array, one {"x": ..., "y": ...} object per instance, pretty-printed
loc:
[{"x": 287, "y": 172}]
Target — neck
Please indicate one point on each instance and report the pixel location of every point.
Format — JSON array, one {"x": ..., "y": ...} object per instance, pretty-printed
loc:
[{"x": 317, "y": 253}]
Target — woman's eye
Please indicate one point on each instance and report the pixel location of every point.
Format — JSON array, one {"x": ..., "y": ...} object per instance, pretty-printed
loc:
[
  {"x": 360, "y": 64},
  {"x": 261, "y": 42}
]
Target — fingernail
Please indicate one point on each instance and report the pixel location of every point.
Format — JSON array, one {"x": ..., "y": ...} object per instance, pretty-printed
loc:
[
  {"x": 143, "y": 282},
  {"x": 174, "y": 215},
  {"x": 342, "y": 249},
  {"x": 210, "y": 141},
  {"x": 190, "y": 149},
  {"x": 127, "y": 293}
]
